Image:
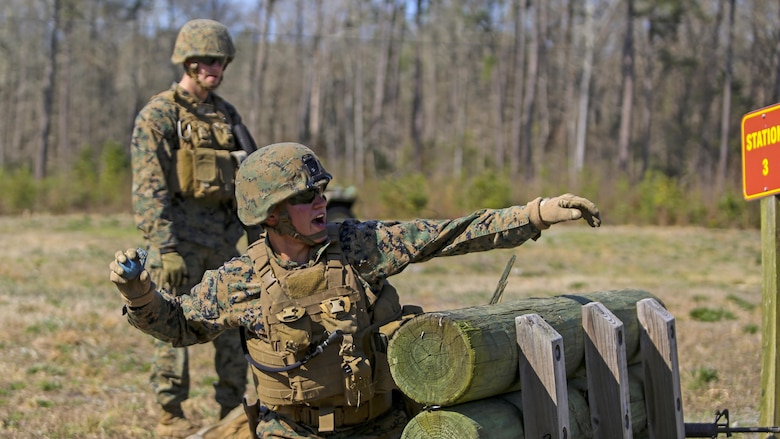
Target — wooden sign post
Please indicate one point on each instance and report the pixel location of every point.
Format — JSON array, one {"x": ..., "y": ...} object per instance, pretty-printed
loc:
[{"x": 761, "y": 178}]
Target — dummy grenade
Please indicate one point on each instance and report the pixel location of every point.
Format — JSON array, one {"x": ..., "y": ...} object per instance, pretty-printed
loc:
[{"x": 133, "y": 267}]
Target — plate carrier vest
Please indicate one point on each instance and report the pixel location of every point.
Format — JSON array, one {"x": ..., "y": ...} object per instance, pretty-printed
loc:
[
  {"x": 207, "y": 155},
  {"x": 301, "y": 309}
]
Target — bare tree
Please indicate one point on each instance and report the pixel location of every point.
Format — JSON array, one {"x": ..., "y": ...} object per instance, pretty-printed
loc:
[
  {"x": 260, "y": 64},
  {"x": 627, "y": 103},
  {"x": 587, "y": 32},
  {"x": 726, "y": 113},
  {"x": 417, "y": 100},
  {"x": 49, "y": 75},
  {"x": 776, "y": 91},
  {"x": 529, "y": 97},
  {"x": 517, "y": 119}
]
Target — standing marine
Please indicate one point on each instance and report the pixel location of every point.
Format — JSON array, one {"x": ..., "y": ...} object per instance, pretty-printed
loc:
[
  {"x": 312, "y": 299},
  {"x": 185, "y": 152}
]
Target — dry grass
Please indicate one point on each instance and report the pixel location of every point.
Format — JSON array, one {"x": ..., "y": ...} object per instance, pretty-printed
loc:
[{"x": 71, "y": 367}]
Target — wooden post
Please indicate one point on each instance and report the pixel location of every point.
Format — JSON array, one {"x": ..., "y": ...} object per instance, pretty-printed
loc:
[
  {"x": 658, "y": 345},
  {"x": 770, "y": 394},
  {"x": 605, "y": 361},
  {"x": 542, "y": 365}
]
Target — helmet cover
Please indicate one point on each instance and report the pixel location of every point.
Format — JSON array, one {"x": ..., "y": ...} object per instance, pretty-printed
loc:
[
  {"x": 273, "y": 174},
  {"x": 203, "y": 38}
]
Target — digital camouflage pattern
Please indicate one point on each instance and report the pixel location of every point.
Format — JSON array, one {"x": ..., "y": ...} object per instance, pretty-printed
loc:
[
  {"x": 163, "y": 218},
  {"x": 272, "y": 426},
  {"x": 170, "y": 377},
  {"x": 204, "y": 233},
  {"x": 203, "y": 38},
  {"x": 229, "y": 296},
  {"x": 273, "y": 174}
]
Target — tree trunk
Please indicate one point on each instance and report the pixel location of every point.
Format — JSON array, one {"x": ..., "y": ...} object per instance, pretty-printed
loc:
[
  {"x": 578, "y": 161},
  {"x": 627, "y": 103},
  {"x": 448, "y": 358},
  {"x": 417, "y": 99},
  {"x": 726, "y": 113},
  {"x": 543, "y": 115},
  {"x": 261, "y": 64},
  {"x": 517, "y": 119},
  {"x": 776, "y": 92},
  {"x": 49, "y": 75},
  {"x": 529, "y": 98},
  {"x": 387, "y": 24},
  {"x": 315, "y": 120}
]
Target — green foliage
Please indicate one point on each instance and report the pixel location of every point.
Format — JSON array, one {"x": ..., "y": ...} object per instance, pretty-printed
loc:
[
  {"x": 115, "y": 173},
  {"x": 97, "y": 180},
  {"x": 48, "y": 385},
  {"x": 740, "y": 302},
  {"x": 704, "y": 314},
  {"x": 750, "y": 328},
  {"x": 487, "y": 190},
  {"x": 661, "y": 199},
  {"x": 100, "y": 181},
  {"x": 404, "y": 197},
  {"x": 18, "y": 188},
  {"x": 703, "y": 376}
]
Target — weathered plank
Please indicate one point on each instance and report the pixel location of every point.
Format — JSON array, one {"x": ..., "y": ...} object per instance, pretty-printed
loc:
[
  {"x": 543, "y": 378},
  {"x": 658, "y": 341},
  {"x": 605, "y": 361},
  {"x": 451, "y": 357}
]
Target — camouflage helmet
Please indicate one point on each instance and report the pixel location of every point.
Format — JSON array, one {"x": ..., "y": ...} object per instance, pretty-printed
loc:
[
  {"x": 273, "y": 174},
  {"x": 203, "y": 38}
]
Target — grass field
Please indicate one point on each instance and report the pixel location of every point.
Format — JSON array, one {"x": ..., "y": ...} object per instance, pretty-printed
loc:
[{"x": 71, "y": 367}]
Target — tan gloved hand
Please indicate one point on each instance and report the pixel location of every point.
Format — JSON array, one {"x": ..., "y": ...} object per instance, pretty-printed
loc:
[
  {"x": 174, "y": 269},
  {"x": 544, "y": 212},
  {"x": 136, "y": 292}
]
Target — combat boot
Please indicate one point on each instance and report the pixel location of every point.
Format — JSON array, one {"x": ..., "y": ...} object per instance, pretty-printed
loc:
[{"x": 173, "y": 424}]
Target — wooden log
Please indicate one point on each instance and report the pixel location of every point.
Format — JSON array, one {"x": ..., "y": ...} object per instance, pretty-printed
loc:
[
  {"x": 451, "y": 357},
  {"x": 499, "y": 416},
  {"x": 491, "y": 418}
]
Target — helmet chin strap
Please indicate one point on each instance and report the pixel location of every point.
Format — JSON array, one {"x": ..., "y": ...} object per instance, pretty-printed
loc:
[{"x": 285, "y": 227}]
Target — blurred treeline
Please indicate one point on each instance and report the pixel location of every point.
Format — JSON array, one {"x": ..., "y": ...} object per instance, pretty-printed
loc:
[{"x": 431, "y": 108}]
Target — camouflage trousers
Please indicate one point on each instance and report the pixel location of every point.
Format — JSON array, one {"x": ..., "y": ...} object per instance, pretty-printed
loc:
[
  {"x": 387, "y": 426},
  {"x": 170, "y": 378},
  {"x": 274, "y": 426}
]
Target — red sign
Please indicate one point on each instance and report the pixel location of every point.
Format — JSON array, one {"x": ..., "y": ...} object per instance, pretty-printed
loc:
[{"x": 761, "y": 152}]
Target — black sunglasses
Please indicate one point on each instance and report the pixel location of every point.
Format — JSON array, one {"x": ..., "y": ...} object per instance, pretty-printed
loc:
[
  {"x": 307, "y": 196},
  {"x": 210, "y": 60}
]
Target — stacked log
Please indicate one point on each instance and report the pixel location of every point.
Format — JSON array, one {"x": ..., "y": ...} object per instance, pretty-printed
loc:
[
  {"x": 500, "y": 417},
  {"x": 452, "y": 357}
]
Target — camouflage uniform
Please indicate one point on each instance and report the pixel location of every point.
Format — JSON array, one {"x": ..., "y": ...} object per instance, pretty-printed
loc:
[
  {"x": 306, "y": 286},
  {"x": 229, "y": 296},
  {"x": 204, "y": 232}
]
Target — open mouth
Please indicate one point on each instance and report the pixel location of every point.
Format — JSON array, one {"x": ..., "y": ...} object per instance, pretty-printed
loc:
[{"x": 319, "y": 220}]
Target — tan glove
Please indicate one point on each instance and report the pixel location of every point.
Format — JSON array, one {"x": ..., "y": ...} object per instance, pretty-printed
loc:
[
  {"x": 137, "y": 291},
  {"x": 544, "y": 212},
  {"x": 174, "y": 269}
]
